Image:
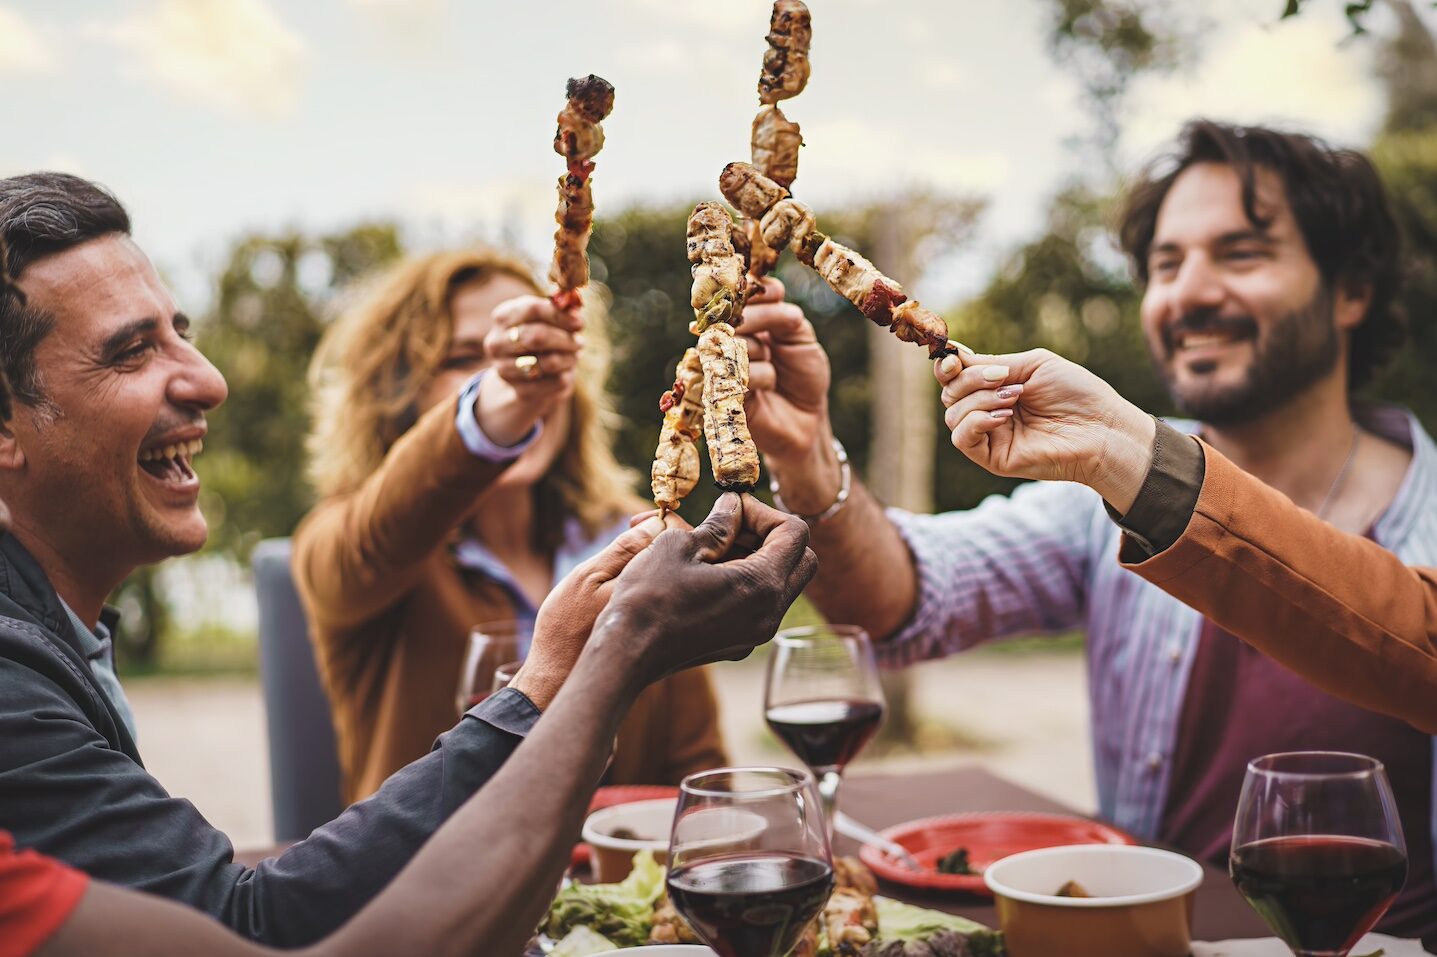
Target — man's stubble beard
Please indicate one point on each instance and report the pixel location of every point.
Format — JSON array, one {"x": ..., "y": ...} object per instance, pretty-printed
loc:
[{"x": 1293, "y": 354}]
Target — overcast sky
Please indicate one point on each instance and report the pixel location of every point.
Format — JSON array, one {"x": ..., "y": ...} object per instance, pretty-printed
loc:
[{"x": 212, "y": 117}]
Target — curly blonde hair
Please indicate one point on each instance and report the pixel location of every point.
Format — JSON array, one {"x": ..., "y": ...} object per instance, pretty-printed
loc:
[{"x": 375, "y": 360}]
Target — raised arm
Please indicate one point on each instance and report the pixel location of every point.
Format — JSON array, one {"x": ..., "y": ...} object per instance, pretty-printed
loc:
[
  {"x": 867, "y": 577},
  {"x": 482, "y": 882},
  {"x": 357, "y": 554},
  {"x": 1338, "y": 609}
]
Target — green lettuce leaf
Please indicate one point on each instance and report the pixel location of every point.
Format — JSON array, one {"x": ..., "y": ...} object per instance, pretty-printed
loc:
[
  {"x": 622, "y": 912},
  {"x": 904, "y": 922}
]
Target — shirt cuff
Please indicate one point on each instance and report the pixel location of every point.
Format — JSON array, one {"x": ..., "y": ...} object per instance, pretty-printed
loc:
[
  {"x": 1165, "y": 503},
  {"x": 472, "y": 434},
  {"x": 507, "y": 709}
]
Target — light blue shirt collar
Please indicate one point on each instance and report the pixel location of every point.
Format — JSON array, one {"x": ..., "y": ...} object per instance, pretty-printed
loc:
[{"x": 99, "y": 650}]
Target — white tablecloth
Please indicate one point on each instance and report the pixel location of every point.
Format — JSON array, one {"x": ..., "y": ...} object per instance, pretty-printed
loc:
[{"x": 1272, "y": 947}]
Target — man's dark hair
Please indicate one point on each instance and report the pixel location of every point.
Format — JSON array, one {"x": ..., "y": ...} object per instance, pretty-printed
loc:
[
  {"x": 1337, "y": 199},
  {"x": 42, "y": 214}
]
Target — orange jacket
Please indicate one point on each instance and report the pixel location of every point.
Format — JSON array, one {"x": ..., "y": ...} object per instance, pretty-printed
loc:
[
  {"x": 1338, "y": 609},
  {"x": 390, "y": 612}
]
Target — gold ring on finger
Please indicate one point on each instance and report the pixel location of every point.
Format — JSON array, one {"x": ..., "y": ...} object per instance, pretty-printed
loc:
[
  {"x": 514, "y": 333},
  {"x": 528, "y": 366}
]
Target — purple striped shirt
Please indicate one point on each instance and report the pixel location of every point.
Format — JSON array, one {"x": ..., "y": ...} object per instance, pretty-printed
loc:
[{"x": 1045, "y": 560}]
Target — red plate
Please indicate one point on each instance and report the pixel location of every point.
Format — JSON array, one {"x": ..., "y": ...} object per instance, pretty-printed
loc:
[
  {"x": 988, "y": 837},
  {"x": 613, "y": 796}
]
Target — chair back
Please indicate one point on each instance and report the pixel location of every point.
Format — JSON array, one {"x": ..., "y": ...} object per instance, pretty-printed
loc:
[{"x": 303, "y": 758}]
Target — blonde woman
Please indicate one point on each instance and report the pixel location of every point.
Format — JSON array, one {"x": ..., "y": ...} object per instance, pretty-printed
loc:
[{"x": 462, "y": 457}]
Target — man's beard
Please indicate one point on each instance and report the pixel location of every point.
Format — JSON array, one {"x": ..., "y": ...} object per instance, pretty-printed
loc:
[{"x": 1298, "y": 350}]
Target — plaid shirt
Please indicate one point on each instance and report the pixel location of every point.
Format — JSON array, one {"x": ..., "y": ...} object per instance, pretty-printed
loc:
[{"x": 1045, "y": 560}]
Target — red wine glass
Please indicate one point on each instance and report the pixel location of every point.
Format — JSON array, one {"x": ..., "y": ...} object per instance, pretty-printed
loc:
[
  {"x": 749, "y": 862},
  {"x": 823, "y": 699},
  {"x": 1317, "y": 848},
  {"x": 491, "y": 645}
]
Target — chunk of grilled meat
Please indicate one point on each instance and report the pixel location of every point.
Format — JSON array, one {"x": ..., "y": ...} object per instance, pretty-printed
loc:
[
  {"x": 675, "y": 471},
  {"x": 850, "y": 917},
  {"x": 913, "y": 323},
  {"x": 668, "y": 927},
  {"x": 731, "y": 450},
  {"x": 774, "y": 145},
  {"x": 753, "y": 193},
  {"x": 788, "y": 223},
  {"x": 785, "y": 63},
  {"x": 717, "y": 291},
  {"x": 575, "y": 216},
  {"x": 579, "y": 136}
]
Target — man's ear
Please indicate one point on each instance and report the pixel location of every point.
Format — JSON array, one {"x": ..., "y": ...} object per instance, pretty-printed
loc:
[
  {"x": 12, "y": 456},
  {"x": 1350, "y": 305}
]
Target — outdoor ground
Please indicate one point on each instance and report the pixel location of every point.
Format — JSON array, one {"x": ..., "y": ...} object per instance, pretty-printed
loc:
[{"x": 1023, "y": 715}]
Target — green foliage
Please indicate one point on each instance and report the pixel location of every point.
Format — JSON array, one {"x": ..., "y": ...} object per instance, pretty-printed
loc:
[
  {"x": 1408, "y": 163},
  {"x": 268, "y": 317},
  {"x": 1106, "y": 44}
]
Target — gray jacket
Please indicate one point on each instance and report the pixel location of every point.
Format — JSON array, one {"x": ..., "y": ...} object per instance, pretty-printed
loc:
[{"x": 72, "y": 786}]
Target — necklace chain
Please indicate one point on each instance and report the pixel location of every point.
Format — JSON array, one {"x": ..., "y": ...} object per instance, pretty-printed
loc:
[{"x": 1341, "y": 476}]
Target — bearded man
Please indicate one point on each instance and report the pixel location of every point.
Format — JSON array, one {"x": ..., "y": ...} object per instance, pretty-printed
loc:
[{"x": 1269, "y": 264}]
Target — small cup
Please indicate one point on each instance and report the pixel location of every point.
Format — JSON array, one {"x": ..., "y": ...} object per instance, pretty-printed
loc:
[
  {"x": 647, "y": 821},
  {"x": 1142, "y": 903}
]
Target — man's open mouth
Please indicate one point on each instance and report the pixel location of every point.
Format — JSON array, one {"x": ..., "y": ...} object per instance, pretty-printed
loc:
[
  {"x": 1208, "y": 338},
  {"x": 171, "y": 463}
]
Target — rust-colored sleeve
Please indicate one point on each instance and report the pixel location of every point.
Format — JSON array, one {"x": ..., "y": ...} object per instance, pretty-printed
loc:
[
  {"x": 357, "y": 554},
  {"x": 1338, "y": 609}
]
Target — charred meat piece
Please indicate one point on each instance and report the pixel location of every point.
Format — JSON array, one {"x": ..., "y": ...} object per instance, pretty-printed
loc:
[
  {"x": 785, "y": 63},
  {"x": 668, "y": 927},
  {"x": 579, "y": 136},
  {"x": 675, "y": 470},
  {"x": 731, "y": 450},
  {"x": 750, "y": 190},
  {"x": 774, "y": 145},
  {"x": 717, "y": 291}
]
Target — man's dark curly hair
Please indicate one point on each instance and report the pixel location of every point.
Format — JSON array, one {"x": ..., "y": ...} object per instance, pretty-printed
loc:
[{"x": 1337, "y": 199}]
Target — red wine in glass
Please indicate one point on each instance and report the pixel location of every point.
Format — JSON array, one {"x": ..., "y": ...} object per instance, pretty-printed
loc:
[
  {"x": 754, "y": 905},
  {"x": 1317, "y": 848},
  {"x": 749, "y": 860},
  {"x": 1320, "y": 894},
  {"x": 826, "y": 733},
  {"x": 821, "y": 696}
]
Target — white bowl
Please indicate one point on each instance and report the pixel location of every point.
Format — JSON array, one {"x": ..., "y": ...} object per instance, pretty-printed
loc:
[
  {"x": 668, "y": 950},
  {"x": 1141, "y": 905},
  {"x": 649, "y": 821}
]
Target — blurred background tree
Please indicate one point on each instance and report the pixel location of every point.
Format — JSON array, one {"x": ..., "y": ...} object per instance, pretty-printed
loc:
[{"x": 1066, "y": 288}]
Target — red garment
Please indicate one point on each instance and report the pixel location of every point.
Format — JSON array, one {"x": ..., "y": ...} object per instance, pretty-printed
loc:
[
  {"x": 1240, "y": 705},
  {"x": 37, "y": 894}
]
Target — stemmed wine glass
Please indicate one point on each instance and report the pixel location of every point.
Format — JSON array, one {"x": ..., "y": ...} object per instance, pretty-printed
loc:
[
  {"x": 1317, "y": 848},
  {"x": 749, "y": 862},
  {"x": 822, "y": 697},
  {"x": 491, "y": 645}
]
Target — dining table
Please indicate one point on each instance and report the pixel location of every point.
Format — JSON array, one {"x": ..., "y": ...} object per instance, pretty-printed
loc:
[{"x": 882, "y": 800}]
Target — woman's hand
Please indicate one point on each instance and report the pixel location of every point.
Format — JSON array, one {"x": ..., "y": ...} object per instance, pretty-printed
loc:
[
  {"x": 1036, "y": 415},
  {"x": 534, "y": 354}
]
